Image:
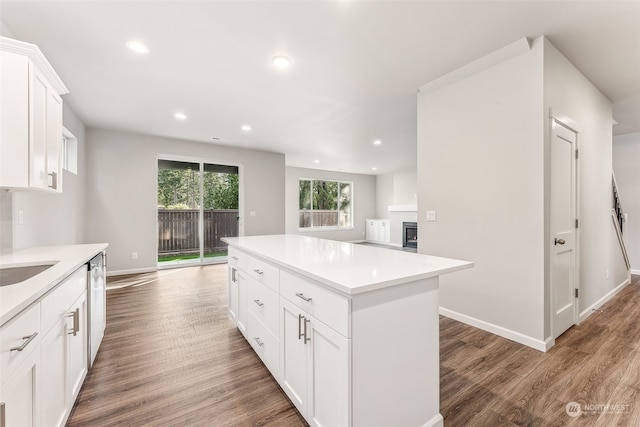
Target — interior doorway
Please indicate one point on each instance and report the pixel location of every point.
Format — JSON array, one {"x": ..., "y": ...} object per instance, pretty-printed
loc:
[{"x": 197, "y": 206}]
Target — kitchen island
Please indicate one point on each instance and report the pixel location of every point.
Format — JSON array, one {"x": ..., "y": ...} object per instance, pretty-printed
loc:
[{"x": 350, "y": 332}]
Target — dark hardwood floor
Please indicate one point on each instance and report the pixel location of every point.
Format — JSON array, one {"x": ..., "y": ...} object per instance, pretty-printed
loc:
[{"x": 171, "y": 357}]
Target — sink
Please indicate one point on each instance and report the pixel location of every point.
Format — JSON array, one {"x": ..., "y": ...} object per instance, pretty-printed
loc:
[{"x": 12, "y": 274}]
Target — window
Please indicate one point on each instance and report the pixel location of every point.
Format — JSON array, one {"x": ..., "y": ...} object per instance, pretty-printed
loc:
[
  {"x": 325, "y": 204},
  {"x": 69, "y": 151}
]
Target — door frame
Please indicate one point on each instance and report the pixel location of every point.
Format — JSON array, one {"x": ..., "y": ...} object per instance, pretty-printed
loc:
[
  {"x": 567, "y": 122},
  {"x": 200, "y": 161}
]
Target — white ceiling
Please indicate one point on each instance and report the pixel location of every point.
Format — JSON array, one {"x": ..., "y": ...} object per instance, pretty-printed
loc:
[{"x": 355, "y": 72}]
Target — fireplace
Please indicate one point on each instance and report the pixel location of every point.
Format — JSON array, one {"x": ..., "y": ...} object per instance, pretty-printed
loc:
[{"x": 410, "y": 235}]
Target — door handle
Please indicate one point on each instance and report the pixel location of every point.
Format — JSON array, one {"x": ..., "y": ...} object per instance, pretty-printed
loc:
[{"x": 557, "y": 241}]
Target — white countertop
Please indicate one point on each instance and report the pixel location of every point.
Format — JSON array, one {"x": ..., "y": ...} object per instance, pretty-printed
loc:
[
  {"x": 17, "y": 297},
  {"x": 346, "y": 267}
]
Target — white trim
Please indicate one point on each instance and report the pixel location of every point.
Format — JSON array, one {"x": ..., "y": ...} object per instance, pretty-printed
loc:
[
  {"x": 635, "y": 271},
  {"x": 131, "y": 271},
  {"x": 35, "y": 55},
  {"x": 596, "y": 305},
  {"x": 436, "y": 421},
  {"x": 484, "y": 63},
  {"x": 402, "y": 208},
  {"x": 498, "y": 330},
  {"x": 564, "y": 120}
]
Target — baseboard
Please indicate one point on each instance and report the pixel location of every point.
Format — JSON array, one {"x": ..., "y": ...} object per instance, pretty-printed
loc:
[
  {"x": 498, "y": 330},
  {"x": 436, "y": 421},
  {"x": 635, "y": 271},
  {"x": 356, "y": 241},
  {"x": 132, "y": 271},
  {"x": 596, "y": 305}
]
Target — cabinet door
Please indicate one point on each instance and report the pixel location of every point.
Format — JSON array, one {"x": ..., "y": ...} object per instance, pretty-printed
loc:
[
  {"x": 18, "y": 394},
  {"x": 76, "y": 347},
  {"x": 293, "y": 355},
  {"x": 38, "y": 130},
  {"x": 233, "y": 294},
  {"x": 242, "y": 302},
  {"x": 54, "y": 140},
  {"x": 328, "y": 376},
  {"x": 52, "y": 375}
]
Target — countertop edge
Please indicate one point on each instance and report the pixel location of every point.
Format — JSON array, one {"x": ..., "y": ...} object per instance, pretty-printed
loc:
[{"x": 25, "y": 303}]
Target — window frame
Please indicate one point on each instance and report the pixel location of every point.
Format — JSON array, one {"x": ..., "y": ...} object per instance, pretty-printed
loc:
[{"x": 337, "y": 227}]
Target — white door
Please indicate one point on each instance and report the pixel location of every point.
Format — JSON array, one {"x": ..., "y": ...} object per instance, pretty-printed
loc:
[
  {"x": 243, "y": 316},
  {"x": 17, "y": 394},
  {"x": 563, "y": 226},
  {"x": 233, "y": 294},
  {"x": 76, "y": 347},
  {"x": 52, "y": 375},
  {"x": 328, "y": 376},
  {"x": 293, "y": 355}
]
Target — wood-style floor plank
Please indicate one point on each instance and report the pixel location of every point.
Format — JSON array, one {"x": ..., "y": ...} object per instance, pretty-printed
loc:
[{"x": 171, "y": 356}]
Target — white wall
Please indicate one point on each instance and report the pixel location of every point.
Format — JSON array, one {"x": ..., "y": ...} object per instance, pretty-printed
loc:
[
  {"x": 363, "y": 202},
  {"x": 405, "y": 187},
  {"x": 54, "y": 219},
  {"x": 626, "y": 165},
  {"x": 569, "y": 93},
  {"x": 481, "y": 168},
  {"x": 121, "y": 191},
  {"x": 384, "y": 194}
]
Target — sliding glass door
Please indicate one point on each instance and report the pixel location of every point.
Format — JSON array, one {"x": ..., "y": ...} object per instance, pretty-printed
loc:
[{"x": 197, "y": 206}]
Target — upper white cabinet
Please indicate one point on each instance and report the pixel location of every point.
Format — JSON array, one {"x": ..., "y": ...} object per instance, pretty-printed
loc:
[{"x": 31, "y": 119}]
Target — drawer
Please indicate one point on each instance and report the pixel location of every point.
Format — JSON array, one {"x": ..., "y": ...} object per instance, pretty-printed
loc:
[
  {"x": 56, "y": 303},
  {"x": 265, "y": 273},
  {"x": 15, "y": 334},
  {"x": 237, "y": 259},
  {"x": 264, "y": 304},
  {"x": 265, "y": 344},
  {"x": 324, "y": 305}
]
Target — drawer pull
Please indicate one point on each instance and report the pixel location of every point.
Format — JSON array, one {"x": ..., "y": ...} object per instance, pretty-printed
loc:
[
  {"x": 235, "y": 258},
  {"x": 301, "y": 295},
  {"x": 258, "y": 302},
  {"x": 300, "y": 317},
  {"x": 28, "y": 339},
  {"x": 260, "y": 343},
  {"x": 258, "y": 271},
  {"x": 76, "y": 322},
  {"x": 306, "y": 339}
]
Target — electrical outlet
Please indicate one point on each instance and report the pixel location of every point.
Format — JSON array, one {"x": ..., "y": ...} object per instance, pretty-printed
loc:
[
  {"x": 431, "y": 216},
  {"x": 134, "y": 255},
  {"x": 20, "y": 217},
  {"x": 252, "y": 213}
]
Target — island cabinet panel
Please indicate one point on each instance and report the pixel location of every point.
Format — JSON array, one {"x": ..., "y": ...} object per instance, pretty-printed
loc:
[
  {"x": 357, "y": 332},
  {"x": 17, "y": 394}
]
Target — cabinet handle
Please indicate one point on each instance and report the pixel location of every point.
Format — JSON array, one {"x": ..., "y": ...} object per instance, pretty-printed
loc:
[
  {"x": 233, "y": 275},
  {"x": 234, "y": 257},
  {"x": 28, "y": 339},
  {"x": 2, "y": 416},
  {"x": 260, "y": 343},
  {"x": 54, "y": 180},
  {"x": 258, "y": 271},
  {"x": 76, "y": 322},
  {"x": 300, "y": 317},
  {"x": 306, "y": 339},
  {"x": 301, "y": 295},
  {"x": 257, "y": 301}
]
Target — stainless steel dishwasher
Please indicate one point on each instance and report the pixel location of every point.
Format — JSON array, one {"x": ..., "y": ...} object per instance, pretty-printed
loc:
[{"x": 97, "y": 303}]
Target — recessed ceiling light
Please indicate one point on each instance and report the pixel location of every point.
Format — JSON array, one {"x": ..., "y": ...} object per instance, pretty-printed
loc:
[
  {"x": 281, "y": 61},
  {"x": 377, "y": 142},
  {"x": 246, "y": 128},
  {"x": 316, "y": 161},
  {"x": 374, "y": 168},
  {"x": 180, "y": 116},
  {"x": 138, "y": 47}
]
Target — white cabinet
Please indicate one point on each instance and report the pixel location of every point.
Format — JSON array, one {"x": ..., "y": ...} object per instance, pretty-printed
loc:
[
  {"x": 378, "y": 230},
  {"x": 314, "y": 367},
  {"x": 31, "y": 121},
  {"x": 63, "y": 363},
  {"x": 19, "y": 356}
]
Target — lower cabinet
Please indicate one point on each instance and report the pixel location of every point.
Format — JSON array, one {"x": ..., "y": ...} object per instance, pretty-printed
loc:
[
  {"x": 238, "y": 299},
  {"x": 17, "y": 394},
  {"x": 314, "y": 367}
]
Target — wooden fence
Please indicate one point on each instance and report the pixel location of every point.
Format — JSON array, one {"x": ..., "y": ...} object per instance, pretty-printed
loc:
[
  {"x": 324, "y": 218},
  {"x": 178, "y": 230}
]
